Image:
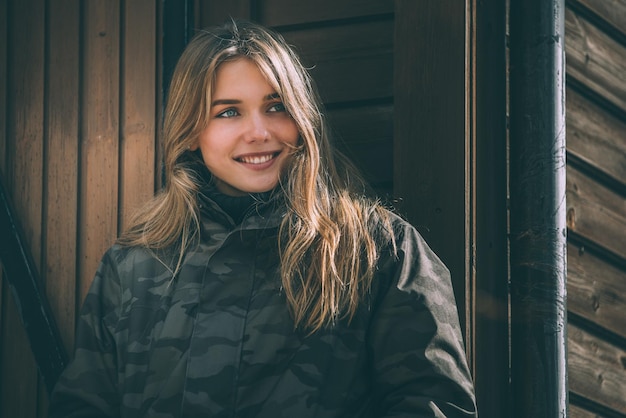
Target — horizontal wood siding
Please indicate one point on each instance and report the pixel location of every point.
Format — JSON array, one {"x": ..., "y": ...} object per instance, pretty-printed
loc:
[
  {"x": 596, "y": 369},
  {"x": 595, "y": 59},
  {"x": 596, "y": 206},
  {"x": 596, "y": 213},
  {"x": 576, "y": 412},
  {"x": 612, "y": 12},
  {"x": 596, "y": 137},
  {"x": 597, "y": 289},
  {"x": 77, "y": 152}
]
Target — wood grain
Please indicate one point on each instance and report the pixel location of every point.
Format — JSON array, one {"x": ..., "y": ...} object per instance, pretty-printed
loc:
[
  {"x": 613, "y": 11},
  {"x": 62, "y": 163},
  {"x": 596, "y": 369},
  {"x": 596, "y": 290},
  {"x": 596, "y": 212},
  {"x": 595, "y": 59},
  {"x": 137, "y": 150},
  {"x": 577, "y": 412},
  {"x": 596, "y": 136},
  {"x": 100, "y": 136}
]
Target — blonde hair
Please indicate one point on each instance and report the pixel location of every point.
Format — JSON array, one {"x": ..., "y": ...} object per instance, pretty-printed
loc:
[{"x": 330, "y": 238}]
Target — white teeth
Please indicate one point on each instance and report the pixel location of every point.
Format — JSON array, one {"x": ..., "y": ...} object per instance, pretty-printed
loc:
[{"x": 257, "y": 159}]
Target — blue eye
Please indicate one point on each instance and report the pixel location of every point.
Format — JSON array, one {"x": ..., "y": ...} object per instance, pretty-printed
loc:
[
  {"x": 228, "y": 113},
  {"x": 277, "y": 107}
]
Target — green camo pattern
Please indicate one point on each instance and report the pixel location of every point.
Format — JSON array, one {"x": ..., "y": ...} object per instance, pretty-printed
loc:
[{"x": 218, "y": 340}]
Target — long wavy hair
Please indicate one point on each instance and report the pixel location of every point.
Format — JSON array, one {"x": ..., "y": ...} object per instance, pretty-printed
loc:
[{"x": 330, "y": 238}]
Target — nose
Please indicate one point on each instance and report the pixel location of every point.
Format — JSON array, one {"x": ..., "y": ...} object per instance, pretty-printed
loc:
[{"x": 257, "y": 129}]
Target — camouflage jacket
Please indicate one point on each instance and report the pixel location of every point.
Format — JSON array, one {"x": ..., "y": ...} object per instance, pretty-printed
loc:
[{"x": 218, "y": 340}]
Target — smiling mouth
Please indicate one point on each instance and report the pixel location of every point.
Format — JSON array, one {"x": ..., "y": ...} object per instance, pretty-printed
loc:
[{"x": 257, "y": 159}]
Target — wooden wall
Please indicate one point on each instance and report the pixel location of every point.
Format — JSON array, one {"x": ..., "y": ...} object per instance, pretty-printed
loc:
[
  {"x": 78, "y": 111},
  {"x": 79, "y": 101},
  {"x": 595, "y": 33}
]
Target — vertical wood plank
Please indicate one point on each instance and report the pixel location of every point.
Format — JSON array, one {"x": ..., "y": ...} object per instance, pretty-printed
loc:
[
  {"x": 160, "y": 88},
  {"x": 99, "y": 135},
  {"x": 25, "y": 134},
  {"x": 138, "y": 80},
  {"x": 430, "y": 144},
  {"x": 62, "y": 163}
]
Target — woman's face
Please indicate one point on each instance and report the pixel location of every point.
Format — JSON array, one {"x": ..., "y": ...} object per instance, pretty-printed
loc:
[{"x": 248, "y": 139}]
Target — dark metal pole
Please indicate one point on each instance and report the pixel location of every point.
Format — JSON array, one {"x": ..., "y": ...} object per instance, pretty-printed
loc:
[
  {"x": 537, "y": 195},
  {"x": 30, "y": 299}
]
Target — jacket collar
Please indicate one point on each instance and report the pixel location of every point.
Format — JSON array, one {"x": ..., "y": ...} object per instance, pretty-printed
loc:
[{"x": 264, "y": 210}]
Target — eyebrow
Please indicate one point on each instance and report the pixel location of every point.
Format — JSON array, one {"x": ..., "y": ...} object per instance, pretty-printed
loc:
[{"x": 218, "y": 102}]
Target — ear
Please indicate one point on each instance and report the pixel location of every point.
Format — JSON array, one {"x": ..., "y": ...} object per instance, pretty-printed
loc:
[{"x": 193, "y": 147}]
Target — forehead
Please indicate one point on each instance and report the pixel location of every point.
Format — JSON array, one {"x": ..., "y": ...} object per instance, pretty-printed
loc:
[{"x": 240, "y": 75}]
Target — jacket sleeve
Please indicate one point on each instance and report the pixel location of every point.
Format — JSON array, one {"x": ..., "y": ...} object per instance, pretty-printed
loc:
[
  {"x": 88, "y": 386},
  {"x": 419, "y": 363}
]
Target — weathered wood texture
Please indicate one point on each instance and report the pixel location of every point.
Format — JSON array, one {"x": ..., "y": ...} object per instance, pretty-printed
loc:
[
  {"x": 99, "y": 136},
  {"x": 596, "y": 290},
  {"x": 596, "y": 180},
  {"x": 138, "y": 124},
  {"x": 596, "y": 369},
  {"x": 595, "y": 59},
  {"x": 595, "y": 136},
  {"x": 78, "y": 113},
  {"x": 596, "y": 212},
  {"x": 62, "y": 168},
  {"x": 576, "y": 412},
  {"x": 612, "y": 11}
]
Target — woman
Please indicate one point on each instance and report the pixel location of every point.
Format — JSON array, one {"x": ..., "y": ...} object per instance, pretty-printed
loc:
[{"x": 261, "y": 282}]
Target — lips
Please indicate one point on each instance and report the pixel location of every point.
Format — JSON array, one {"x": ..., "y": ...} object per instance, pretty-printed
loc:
[{"x": 257, "y": 158}]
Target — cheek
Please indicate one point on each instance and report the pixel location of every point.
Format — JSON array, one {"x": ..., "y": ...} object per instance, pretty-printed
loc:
[{"x": 292, "y": 134}]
